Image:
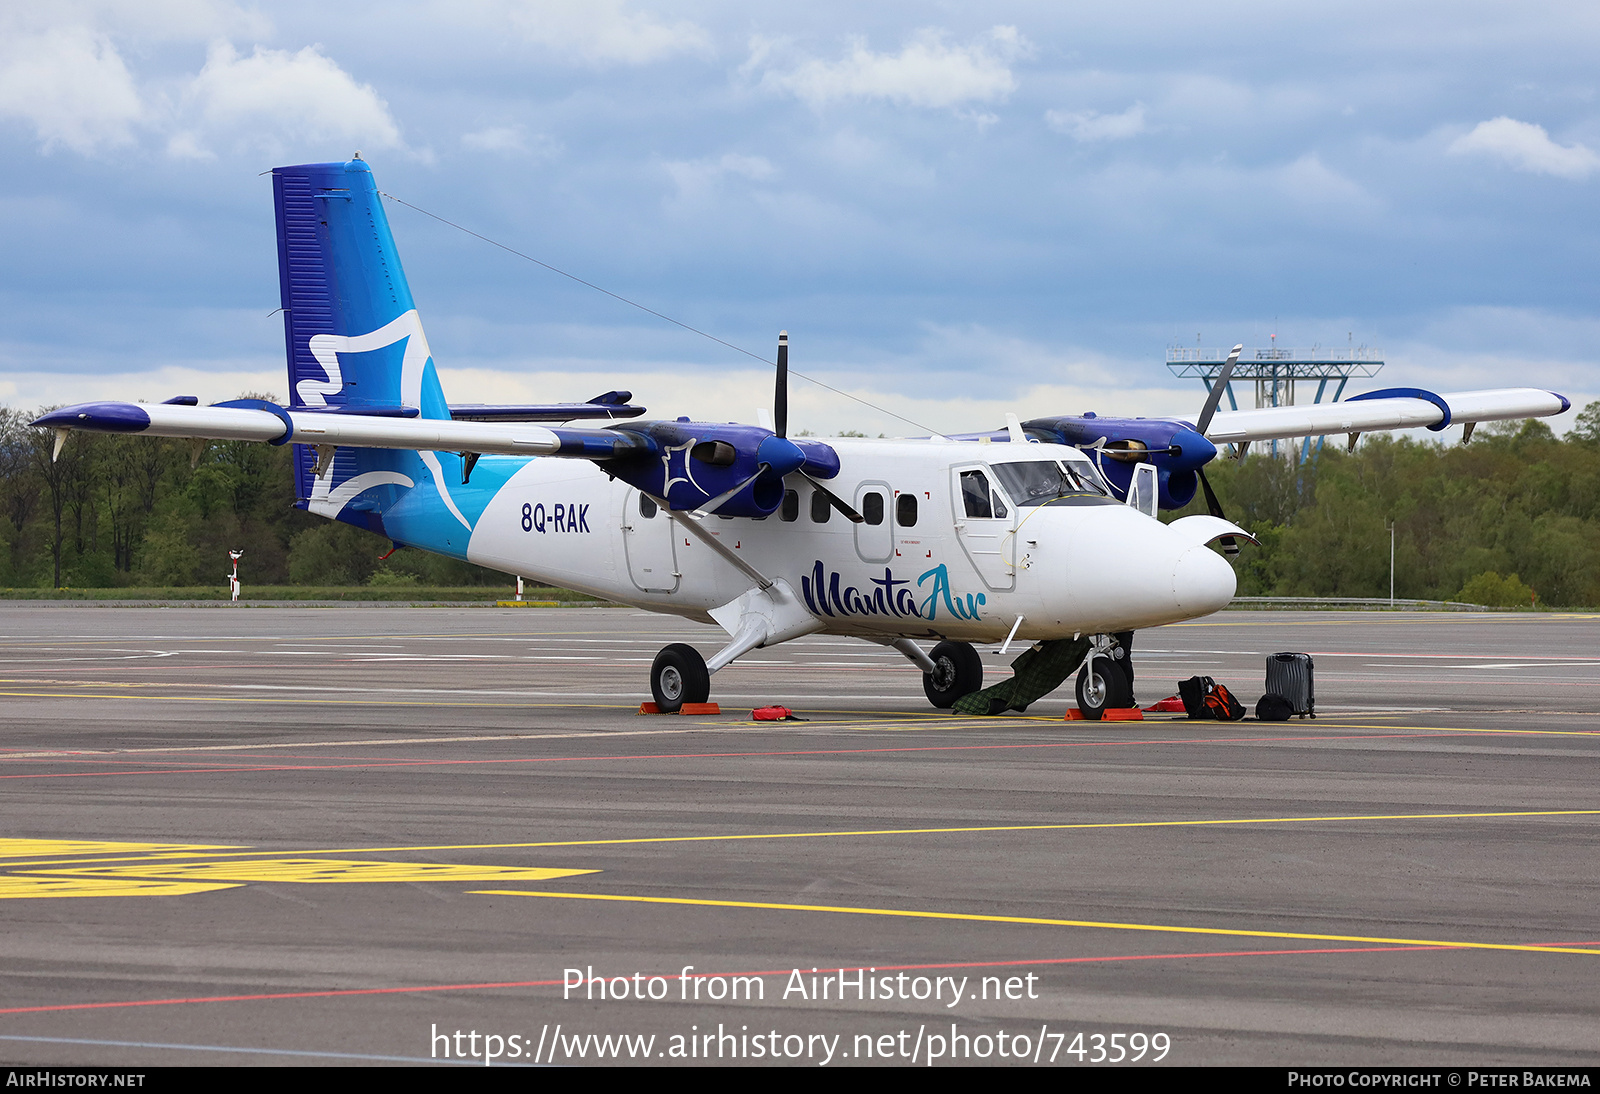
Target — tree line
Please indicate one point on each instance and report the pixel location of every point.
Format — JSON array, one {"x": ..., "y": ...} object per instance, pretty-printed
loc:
[
  {"x": 1509, "y": 519},
  {"x": 113, "y": 510}
]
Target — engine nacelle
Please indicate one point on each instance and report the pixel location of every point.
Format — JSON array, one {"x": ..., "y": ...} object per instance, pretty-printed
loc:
[
  {"x": 697, "y": 462},
  {"x": 1176, "y": 449}
]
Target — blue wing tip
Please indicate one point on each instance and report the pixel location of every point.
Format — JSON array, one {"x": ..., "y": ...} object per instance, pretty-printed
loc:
[{"x": 97, "y": 417}]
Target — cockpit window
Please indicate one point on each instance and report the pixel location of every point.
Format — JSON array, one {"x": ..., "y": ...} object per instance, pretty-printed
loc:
[
  {"x": 1037, "y": 482},
  {"x": 977, "y": 498}
]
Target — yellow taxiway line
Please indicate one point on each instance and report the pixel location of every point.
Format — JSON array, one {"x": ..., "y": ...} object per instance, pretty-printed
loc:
[
  {"x": 906, "y": 913},
  {"x": 955, "y": 830}
]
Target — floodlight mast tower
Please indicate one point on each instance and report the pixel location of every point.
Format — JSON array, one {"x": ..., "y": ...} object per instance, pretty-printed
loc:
[{"x": 1276, "y": 370}]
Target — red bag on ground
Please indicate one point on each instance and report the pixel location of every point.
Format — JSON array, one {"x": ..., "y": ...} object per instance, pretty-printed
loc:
[{"x": 774, "y": 714}]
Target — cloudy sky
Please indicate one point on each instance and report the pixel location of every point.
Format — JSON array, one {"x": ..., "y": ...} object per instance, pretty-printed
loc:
[{"x": 955, "y": 209}]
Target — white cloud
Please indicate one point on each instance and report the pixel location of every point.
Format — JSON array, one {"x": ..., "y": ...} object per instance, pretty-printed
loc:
[
  {"x": 274, "y": 96},
  {"x": 210, "y": 381},
  {"x": 71, "y": 85},
  {"x": 734, "y": 394},
  {"x": 63, "y": 70},
  {"x": 597, "y": 31},
  {"x": 703, "y": 179},
  {"x": 503, "y": 138},
  {"x": 1089, "y": 126},
  {"x": 512, "y": 140},
  {"x": 1310, "y": 182},
  {"x": 1527, "y": 147},
  {"x": 695, "y": 177},
  {"x": 62, "y": 66},
  {"x": 147, "y": 20},
  {"x": 927, "y": 72}
]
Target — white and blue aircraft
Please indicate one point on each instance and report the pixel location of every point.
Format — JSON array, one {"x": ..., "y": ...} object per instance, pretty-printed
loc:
[{"x": 1044, "y": 532}]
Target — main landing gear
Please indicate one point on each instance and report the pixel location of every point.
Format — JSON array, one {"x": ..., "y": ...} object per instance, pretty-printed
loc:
[
  {"x": 679, "y": 676},
  {"x": 957, "y": 671}
]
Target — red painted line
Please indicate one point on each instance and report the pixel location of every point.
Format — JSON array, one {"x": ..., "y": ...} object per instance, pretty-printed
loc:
[
  {"x": 708, "y": 975},
  {"x": 217, "y": 768},
  {"x": 274, "y": 995}
]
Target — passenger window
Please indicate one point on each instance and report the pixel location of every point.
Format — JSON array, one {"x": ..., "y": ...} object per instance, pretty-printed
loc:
[
  {"x": 975, "y": 494},
  {"x": 872, "y": 507},
  {"x": 647, "y": 508},
  {"x": 905, "y": 510},
  {"x": 820, "y": 509},
  {"x": 791, "y": 506}
]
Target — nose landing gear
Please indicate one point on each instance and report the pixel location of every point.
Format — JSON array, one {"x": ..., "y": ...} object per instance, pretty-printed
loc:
[
  {"x": 1102, "y": 688},
  {"x": 1106, "y": 682},
  {"x": 678, "y": 676}
]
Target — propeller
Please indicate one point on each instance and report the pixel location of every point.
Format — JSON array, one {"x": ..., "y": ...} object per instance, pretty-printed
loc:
[
  {"x": 1217, "y": 389},
  {"x": 1230, "y": 544},
  {"x": 780, "y": 422},
  {"x": 780, "y": 397},
  {"x": 834, "y": 500}
]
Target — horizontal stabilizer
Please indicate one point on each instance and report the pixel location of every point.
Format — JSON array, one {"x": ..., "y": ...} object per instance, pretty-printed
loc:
[
  {"x": 1394, "y": 409},
  {"x": 613, "y": 404}
]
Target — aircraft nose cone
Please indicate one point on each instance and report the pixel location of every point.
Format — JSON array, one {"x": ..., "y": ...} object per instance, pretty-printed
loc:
[{"x": 1202, "y": 581}]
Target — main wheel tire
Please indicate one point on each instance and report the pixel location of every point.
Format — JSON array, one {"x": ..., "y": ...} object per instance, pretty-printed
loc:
[
  {"x": 958, "y": 671},
  {"x": 1106, "y": 688},
  {"x": 678, "y": 676}
]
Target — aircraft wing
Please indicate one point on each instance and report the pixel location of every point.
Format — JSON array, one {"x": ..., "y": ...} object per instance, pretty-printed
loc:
[
  {"x": 258, "y": 420},
  {"x": 729, "y": 469},
  {"x": 1392, "y": 408}
]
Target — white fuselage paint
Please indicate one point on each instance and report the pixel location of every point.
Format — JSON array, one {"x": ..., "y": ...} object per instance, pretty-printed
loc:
[{"x": 1066, "y": 569}]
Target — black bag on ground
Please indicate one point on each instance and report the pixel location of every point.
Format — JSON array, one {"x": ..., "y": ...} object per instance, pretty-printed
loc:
[
  {"x": 1193, "y": 693},
  {"x": 1289, "y": 675},
  {"x": 1203, "y": 697},
  {"x": 1274, "y": 708}
]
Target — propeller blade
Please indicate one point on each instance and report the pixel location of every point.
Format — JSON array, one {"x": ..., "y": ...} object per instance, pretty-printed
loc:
[
  {"x": 1217, "y": 388},
  {"x": 1230, "y": 544},
  {"x": 780, "y": 397},
  {"x": 834, "y": 500}
]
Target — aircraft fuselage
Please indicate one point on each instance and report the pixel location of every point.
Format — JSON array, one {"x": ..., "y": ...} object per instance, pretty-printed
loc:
[{"x": 923, "y": 564}]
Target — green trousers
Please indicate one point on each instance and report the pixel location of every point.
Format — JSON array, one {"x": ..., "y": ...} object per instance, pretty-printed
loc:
[{"x": 1039, "y": 671}]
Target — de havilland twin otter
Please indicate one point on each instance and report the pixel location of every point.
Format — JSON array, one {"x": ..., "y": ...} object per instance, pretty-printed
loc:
[{"x": 1043, "y": 534}]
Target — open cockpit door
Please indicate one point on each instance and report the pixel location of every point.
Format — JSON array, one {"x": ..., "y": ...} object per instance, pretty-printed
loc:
[
  {"x": 1144, "y": 492},
  {"x": 985, "y": 525}
]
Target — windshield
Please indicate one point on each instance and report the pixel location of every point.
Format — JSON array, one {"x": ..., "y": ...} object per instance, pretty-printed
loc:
[{"x": 1041, "y": 481}]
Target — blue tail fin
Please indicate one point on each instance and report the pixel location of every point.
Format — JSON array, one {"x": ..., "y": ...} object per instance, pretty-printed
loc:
[{"x": 355, "y": 343}]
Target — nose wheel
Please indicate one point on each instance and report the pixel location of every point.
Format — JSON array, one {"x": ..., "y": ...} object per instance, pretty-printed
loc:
[
  {"x": 678, "y": 676},
  {"x": 1105, "y": 687}
]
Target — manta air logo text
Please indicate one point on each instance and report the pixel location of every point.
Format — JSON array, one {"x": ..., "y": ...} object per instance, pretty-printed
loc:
[{"x": 888, "y": 595}]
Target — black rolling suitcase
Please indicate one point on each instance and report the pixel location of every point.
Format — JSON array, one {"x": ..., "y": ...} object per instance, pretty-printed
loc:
[{"x": 1289, "y": 675}]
